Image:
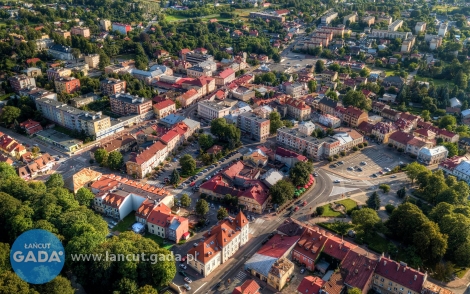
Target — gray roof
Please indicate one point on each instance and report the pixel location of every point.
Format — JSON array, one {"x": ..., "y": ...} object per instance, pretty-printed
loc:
[
  {"x": 260, "y": 263},
  {"x": 172, "y": 119},
  {"x": 192, "y": 124}
]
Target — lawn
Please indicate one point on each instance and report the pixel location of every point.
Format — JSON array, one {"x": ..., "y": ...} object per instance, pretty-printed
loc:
[
  {"x": 173, "y": 18},
  {"x": 126, "y": 223},
  {"x": 124, "y": 57},
  {"x": 444, "y": 8},
  {"x": 159, "y": 240},
  {"x": 389, "y": 72},
  {"x": 377, "y": 243},
  {"x": 6, "y": 96},
  {"x": 460, "y": 272},
  {"x": 348, "y": 204},
  {"x": 435, "y": 81}
]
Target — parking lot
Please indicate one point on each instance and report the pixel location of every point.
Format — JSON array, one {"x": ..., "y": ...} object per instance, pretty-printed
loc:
[{"x": 371, "y": 161}]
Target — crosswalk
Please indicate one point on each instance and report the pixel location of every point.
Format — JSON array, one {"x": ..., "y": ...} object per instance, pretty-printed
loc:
[{"x": 240, "y": 276}]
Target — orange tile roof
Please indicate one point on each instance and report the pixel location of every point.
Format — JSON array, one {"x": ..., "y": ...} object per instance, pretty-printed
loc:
[
  {"x": 169, "y": 136},
  {"x": 163, "y": 104},
  {"x": 189, "y": 94},
  {"x": 148, "y": 153},
  {"x": 248, "y": 287},
  {"x": 337, "y": 248},
  {"x": 358, "y": 266},
  {"x": 114, "y": 200},
  {"x": 310, "y": 285}
]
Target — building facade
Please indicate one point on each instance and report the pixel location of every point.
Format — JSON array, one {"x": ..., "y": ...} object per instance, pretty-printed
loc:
[{"x": 126, "y": 104}]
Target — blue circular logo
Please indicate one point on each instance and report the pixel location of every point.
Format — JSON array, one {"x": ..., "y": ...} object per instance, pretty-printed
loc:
[{"x": 37, "y": 256}]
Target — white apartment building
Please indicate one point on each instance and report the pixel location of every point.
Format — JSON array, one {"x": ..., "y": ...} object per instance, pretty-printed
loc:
[
  {"x": 330, "y": 121},
  {"x": 306, "y": 127},
  {"x": 395, "y": 25},
  {"x": 432, "y": 155},
  {"x": 221, "y": 242},
  {"x": 442, "y": 30},
  {"x": 212, "y": 109},
  {"x": 329, "y": 17}
]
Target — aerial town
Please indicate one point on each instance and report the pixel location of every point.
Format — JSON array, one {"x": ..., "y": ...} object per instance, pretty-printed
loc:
[{"x": 299, "y": 147}]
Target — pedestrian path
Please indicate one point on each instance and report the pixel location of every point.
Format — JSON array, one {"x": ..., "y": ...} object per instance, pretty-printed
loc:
[
  {"x": 337, "y": 190},
  {"x": 240, "y": 276}
]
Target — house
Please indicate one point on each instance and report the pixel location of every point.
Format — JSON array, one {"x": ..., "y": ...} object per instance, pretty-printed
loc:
[
  {"x": 309, "y": 247},
  {"x": 393, "y": 81},
  {"x": 382, "y": 131},
  {"x": 400, "y": 139},
  {"x": 82, "y": 178},
  {"x": 270, "y": 263},
  {"x": 140, "y": 164},
  {"x": 390, "y": 275},
  {"x": 353, "y": 116},
  {"x": 357, "y": 269},
  {"x": 163, "y": 223},
  {"x": 31, "y": 127},
  {"x": 378, "y": 107},
  {"x": 121, "y": 144},
  {"x": 425, "y": 134},
  {"x": 224, "y": 77},
  {"x": 248, "y": 287},
  {"x": 297, "y": 109},
  {"x": 328, "y": 106},
  {"x": 214, "y": 150},
  {"x": 289, "y": 158},
  {"x": 390, "y": 114},
  {"x": 220, "y": 243},
  {"x": 365, "y": 128},
  {"x": 164, "y": 108},
  {"x": 188, "y": 98},
  {"x": 38, "y": 166},
  {"x": 434, "y": 155},
  {"x": 416, "y": 144}
]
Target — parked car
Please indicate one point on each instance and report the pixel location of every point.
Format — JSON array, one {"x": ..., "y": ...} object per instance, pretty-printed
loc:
[
  {"x": 341, "y": 162},
  {"x": 195, "y": 244},
  {"x": 336, "y": 181},
  {"x": 394, "y": 176},
  {"x": 188, "y": 280},
  {"x": 296, "y": 208},
  {"x": 363, "y": 163},
  {"x": 183, "y": 266},
  {"x": 187, "y": 287},
  {"x": 183, "y": 273},
  {"x": 302, "y": 270}
]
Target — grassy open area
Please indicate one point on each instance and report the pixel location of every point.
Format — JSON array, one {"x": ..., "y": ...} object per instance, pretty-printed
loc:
[
  {"x": 6, "y": 96},
  {"x": 435, "y": 81},
  {"x": 460, "y": 272},
  {"x": 159, "y": 240},
  {"x": 348, "y": 204},
  {"x": 389, "y": 72},
  {"x": 126, "y": 223},
  {"x": 173, "y": 18},
  {"x": 444, "y": 8},
  {"x": 377, "y": 243},
  {"x": 124, "y": 57}
]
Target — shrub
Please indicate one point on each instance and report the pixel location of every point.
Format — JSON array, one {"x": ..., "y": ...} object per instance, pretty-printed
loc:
[
  {"x": 336, "y": 156},
  {"x": 343, "y": 153},
  {"x": 389, "y": 208},
  {"x": 360, "y": 145},
  {"x": 330, "y": 159},
  {"x": 320, "y": 210},
  {"x": 385, "y": 188},
  {"x": 400, "y": 150},
  {"x": 203, "y": 195},
  {"x": 390, "y": 145},
  {"x": 91, "y": 161},
  {"x": 355, "y": 148},
  {"x": 365, "y": 144}
]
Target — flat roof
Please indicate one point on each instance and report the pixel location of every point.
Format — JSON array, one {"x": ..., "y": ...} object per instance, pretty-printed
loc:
[{"x": 59, "y": 137}]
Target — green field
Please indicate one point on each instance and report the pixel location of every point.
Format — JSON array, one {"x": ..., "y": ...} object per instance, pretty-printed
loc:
[
  {"x": 348, "y": 204},
  {"x": 126, "y": 223},
  {"x": 159, "y": 240},
  {"x": 444, "y": 8},
  {"x": 6, "y": 96},
  {"x": 436, "y": 82},
  {"x": 123, "y": 57}
]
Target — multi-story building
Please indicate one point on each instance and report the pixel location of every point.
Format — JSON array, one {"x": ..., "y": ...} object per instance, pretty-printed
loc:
[
  {"x": 353, "y": 116},
  {"x": 55, "y": 73},
  {"x": 328, "y": 106},
  {"x": 420, "y": 27},
  {"x": 112, "y": 86},
  {"x": 62, "y": 33},
  {"x": 44, "y": 44},
  {"x": 298, "y": 109},
  {"x": 329, "y": 121},
  {"x": 203, "y": 85},
  {"x": 328, "y": 76},
  {"x": 61, "y": 52},
  {"x": 242, "y": 93},
  {"x": 224, "y": 77},
  {"x": 105, "y": 24},
  {"x": 164, "y": 108},
  {"x": 30, "y": 126},
  {"x": 32, "y": 72},
  {"x": 442, "y": 30},
  {"x": 295, "y": 90},
  {"x": 434, "y": 155},
  {"x": 350, "y": 18},
  {"x": 397, "y": 277},
  {"x": 197, "y": 71},
  {"x": 80, "y": 31},
  {"x": 37, "y": 93},
  {"x": 306, "y": 127},
  {"x": 435, "y": 43},
  {"x": 382, "y": 131},
  {"x": 368, "y": 20},
  {"x": 264, "y": 15},
  {"x": 93, "y": 60},
  {"x": 390, "y": 114},
  {"x": 220, "y": 243},
  {"x": 210, "y": 110},
  {"x": 288, "y": 157},
  {"x": 126, "y": 104},
  {"x": 166, "y": 225},
  {"x": 255, "y": 127},
  {"x": 197, "y": 56},
  {"x": 21, "y": 82},
  {"x": 386, "y": 34},
  {"x": 394, "y": 26},
  {"x": 329, "y": 17},
  {"x": 188, "y": 98},
  {"x": 122, "y": 28},
  {"x": 400, "y": 139},
  {"x": 386, "y": 19},
  {"x": 67, "y": 85},
  {"x": 140, "y": 164}
]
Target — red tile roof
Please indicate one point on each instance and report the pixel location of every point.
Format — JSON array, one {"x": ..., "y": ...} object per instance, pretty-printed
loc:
[
  {"x": 287, "y": 153},
  {"x": 337, "y": 248},
  {"x": 401, "y": 137},
  {"x": 354, "y": 112},
  {"x": 215, "y": 149},
  {"x": 278, "y": 245},
  {"x": 114, "y": 200},
  {"x": 163, "y": 104},
  {"x": 255, "y": 190},
  {"x": 358, "y": 266},
  {"x": 249, "y": 287},
  {"x": 311, "y": 243},
  {"x": 170, "y": 135},
  {"x": 425, "y": 132},
  {"x": 310, "y": 285},
  {"x": 401, "y": 274},
  {"x": 148, "y": 153},
  {"x": 226, "y": 73}
]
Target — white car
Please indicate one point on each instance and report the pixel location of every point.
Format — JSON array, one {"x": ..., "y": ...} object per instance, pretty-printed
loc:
[
  {"x": 183, "y": 266},
  {"x": 195, "y": 244},
  {"x": 187, "y": 287},
  {"x": 188, "y": 280},
  {"x": 336, "y": 181}
]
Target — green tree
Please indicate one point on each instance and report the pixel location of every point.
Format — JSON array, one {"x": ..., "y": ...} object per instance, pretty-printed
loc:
[
  {"x": 447, "y": 122},
  {"x": 55, "y": 181},
  {"x": 202, "y": 207},
  {"x": 405, "y": 221},
  {"x": 175, "y": 177},
  {"x": 365, "y": 219},
  {"x": 147, "y": 289},
  {"x": 385, "y": 188},
  {"x": 426, "y": 115},
  {"x": 461, "y": 80},
  {"x": 59, "y": 285},
  {"x": 414, "y": 169},
  {"x": 188, "y": 164},
  {"x": 35, "y": 151},
  {"x": 332, "y": 95},
  {"x": 354, "y": 291},
  {"x": 84, "y": 196},
  {"x": 373, "y": 201},
  {"x": 320, "y": 210},
  {"x": 10, "y": 114},
  {"x": 357, "y": 99},
  {"x": 319, "y": 66},
  {"x": 312, "y": 86},
  {"x": 401, "y": 193},
  {"x": 101, "y": 156},
  {"x": 7, "y": 171},
  {"x": 452, "y": 148},
  {"x": 300, "y": 173},
  {"x": 443, "y": 271},
  {"x": 222, "y": 213},
  {"x": 4, "y": 258},
  {"x": 115, "y": 160},
  {"x": 431, "y": 242},
  {"x": 365, "y": 72},
  {"x": 185, "y": 200},
  {"x": 10, "y": 283},
  {"x": 281, "y": 192},
  {"x": 205, "y": 141}
]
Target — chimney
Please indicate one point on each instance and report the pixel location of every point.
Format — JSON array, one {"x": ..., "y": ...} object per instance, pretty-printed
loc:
[
  {"x": 404, "y": 268},
  {"x": 385, "y": 262},
  {"x": 398, "y": 268},
  {"x": 416, "y": 276}
]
